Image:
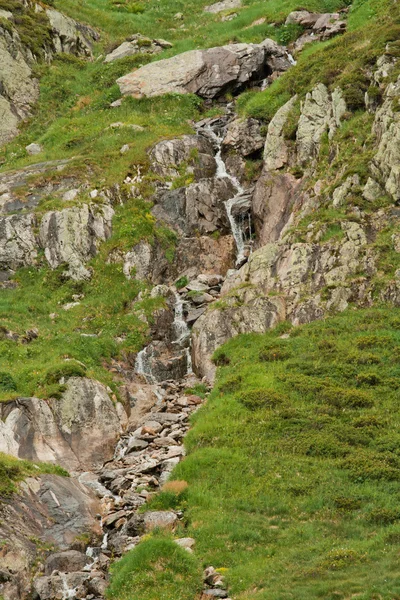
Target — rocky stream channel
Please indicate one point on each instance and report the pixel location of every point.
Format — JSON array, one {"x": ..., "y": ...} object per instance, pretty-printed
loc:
[{"x": 147, "y": 452}]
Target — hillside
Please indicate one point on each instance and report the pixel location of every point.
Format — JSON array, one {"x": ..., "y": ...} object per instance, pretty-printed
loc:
[{"x": 199, "y": 282}]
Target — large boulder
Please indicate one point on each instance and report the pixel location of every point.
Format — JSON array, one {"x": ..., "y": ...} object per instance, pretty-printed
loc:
[
  {"x": 219, "y": 7},
  {"x": 208, "y": 73},
  {"x": 70, "y": 37},
  {"x": 78, "y": 431},
  {"x": 71, "y": 236},
  {"x": 244, "y": 136},
  {"x": 198, "y": 207}
]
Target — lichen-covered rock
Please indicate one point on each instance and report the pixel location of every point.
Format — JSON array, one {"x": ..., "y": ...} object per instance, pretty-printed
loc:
[
  {"x": 190, "y": 153},
  {"x": 386, "y": 162},
  {"x": 276, "y": 150},
  {"x": 18, "y": 245},
  {"x": 321, "y": 112},
  {"x": 18, "y": 90},
  {"x": 71, "y": 236},
  {"x": 219, "y": 7},
  {"x": 208, "y": 73},
  {"x": 340, "y": 194},
  {"x": 69, "y": 36}
]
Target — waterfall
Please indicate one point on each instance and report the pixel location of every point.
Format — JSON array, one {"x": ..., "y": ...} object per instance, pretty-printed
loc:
[
  {"x": 143, "y": 365},
  {"x": 182, "y": 331},
  {"x": 237, "y": 228},
  {"x": 67, "y": 592}
]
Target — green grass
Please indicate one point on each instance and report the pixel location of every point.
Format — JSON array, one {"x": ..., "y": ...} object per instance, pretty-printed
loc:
[
  {"x": 294, "y": 463},
  {"x": 13, "y": 470},
  {"x": 157, "y": 568}
]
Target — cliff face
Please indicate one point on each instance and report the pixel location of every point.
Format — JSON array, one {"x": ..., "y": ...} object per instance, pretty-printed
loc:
[{"x": 163, "y": 206}]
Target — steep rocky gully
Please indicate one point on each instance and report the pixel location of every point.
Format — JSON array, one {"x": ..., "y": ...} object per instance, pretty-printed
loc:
[{"x": 240, "y": 265}]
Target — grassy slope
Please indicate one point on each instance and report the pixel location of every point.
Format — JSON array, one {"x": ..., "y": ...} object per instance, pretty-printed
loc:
[
  {"x": 13, "y": 470},
  {"x": 294, "y": 465}
]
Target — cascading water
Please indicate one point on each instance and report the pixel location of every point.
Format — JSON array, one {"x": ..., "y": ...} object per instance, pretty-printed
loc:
[{"x": 237, "y": 228}]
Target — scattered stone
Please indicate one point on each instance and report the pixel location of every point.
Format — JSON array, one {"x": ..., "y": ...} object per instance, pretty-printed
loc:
[
  {"x": 125, "y": 148},
  {"x": 70, "y": 195},
  {"x": 219, "y": 7},
  {"x": 137, "y": 44},
  {"x": 186, "y": 543},
  {"x": 34, "y": 149},
  {"x": 159, "y": 520}
]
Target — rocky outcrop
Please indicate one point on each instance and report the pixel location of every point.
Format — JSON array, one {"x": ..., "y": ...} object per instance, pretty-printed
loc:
[
  {"x": 70, "y": 37},
  {"x": 317, "y": 26},
  {"x": 208, "y": 73},
  {"x": 190, "y": 155},
  {"x": 137, "y": 44},
  {"x": 197, "y": 208},
  {"x": 19, "y": 90},
  {"x": 283, "y": 281},
  {"x": 386, "y": 162},
  {"x": 18, "y": 245},
  {"x": 48, "y": 510},
  {"x": 321, "y": 112},
  {"x": 77, "y": 431},
  {"x": 71, "y": 236},
  {"x": 276, "y": 149}
]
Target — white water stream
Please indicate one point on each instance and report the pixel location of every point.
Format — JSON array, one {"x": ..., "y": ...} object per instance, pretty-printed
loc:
[{"x": 238, "y": 231}]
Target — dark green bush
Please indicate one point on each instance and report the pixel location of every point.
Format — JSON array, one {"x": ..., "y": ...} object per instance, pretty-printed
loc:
[
  {"x": 261, "y": 398},
  {"x": 347, "y": 504},
  {"x": 346, "y": 398},
  {"x": 220, "y": 358},
  {"x": 365, "y": 465},
  {"x": 7, "y": 382},
  {"x": 369, "y": 379},
  {"x": 274, "y": 353},
  {"x": 383, "y": 516}
]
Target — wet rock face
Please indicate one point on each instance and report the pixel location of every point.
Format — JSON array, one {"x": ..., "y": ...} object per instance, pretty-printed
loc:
[
  {"x": 197, "y": 208},
  {"x": 208, "y": 73},
  {"x": 78, "y": 431}
]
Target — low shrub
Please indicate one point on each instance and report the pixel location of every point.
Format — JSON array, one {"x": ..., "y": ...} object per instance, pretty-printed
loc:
[
  {"x": 69, "y": 369},
  {"x": 274, "y": 353},
  {"x": 261, "y": 398},
  {"x": 383, "y": 516},
  {"x": 346, "y": 398},
  {"x": 7, "y": 382},
  {"x": 346, "y": 504}
]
